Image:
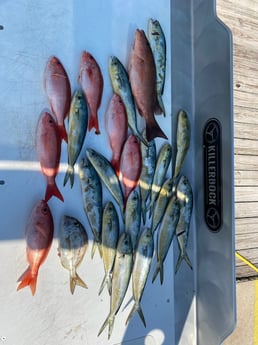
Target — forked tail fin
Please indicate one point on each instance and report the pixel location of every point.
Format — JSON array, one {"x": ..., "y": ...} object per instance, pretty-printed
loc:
[
  {"x": 27, "y": 279},
  {"x": 52, "y": 190},
  {"x": 76, "y": 280}
]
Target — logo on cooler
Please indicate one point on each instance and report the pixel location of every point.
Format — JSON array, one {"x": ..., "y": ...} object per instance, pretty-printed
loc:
[{"x": 212, "y": 174}]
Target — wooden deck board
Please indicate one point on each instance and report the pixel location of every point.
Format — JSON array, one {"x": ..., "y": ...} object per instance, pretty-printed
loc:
[{"x": 242, "y": 18}]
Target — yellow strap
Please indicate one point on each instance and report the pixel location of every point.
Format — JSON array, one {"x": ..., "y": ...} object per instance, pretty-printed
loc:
[
  {"x": 247, "y": 262},
  {"x": 241, "y": 257}
]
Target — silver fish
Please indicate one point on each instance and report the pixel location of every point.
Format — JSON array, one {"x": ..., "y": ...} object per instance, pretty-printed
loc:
[
  {"x": 141, "y": 269},
  {"x": 110, "y": 234},
  {"x": 108, "y": 175},
  {"x": 133, "y": 217},
  {"x": 165, "y": 195},
  {"x": 91, "y": 190},
  {"x": 73, "y": 243},
  {"x": 185, "y": 197},
  {"x": 148, "y": 169},
  {"x": 165, "y": 235},
  {"x": 121, "y": 86},
  {"x": 120, "y": 279},
  {"x": 163, "y": 161},
  {"x": 158, "y": 46},
  {"x": 182, "y": 140},
  {"x": 77, "y": 122}
]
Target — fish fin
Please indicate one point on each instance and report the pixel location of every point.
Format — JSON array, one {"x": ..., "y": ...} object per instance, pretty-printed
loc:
[
  {"x": 142, "y": 139},
  {"x": 136, "y": 307},
  {"x": 160, "y": 109},
  {"x": 110, "y": 322},
  {"x": 94, "y": 123},
  {"x": 76, "y": 280},
  {"x": 69, "y": 175},
  {"x": 96, "y": 243},
  {"x": 159, "y": 269},
  {"x": 183, "y": 256},
  {"x": 52, "y": 190},
  {"x": 153, "y": 130},
  {"x": 106, "y": 281},
  {"x": 62, "y": 133},
  {"x": 27, "y": 279}
]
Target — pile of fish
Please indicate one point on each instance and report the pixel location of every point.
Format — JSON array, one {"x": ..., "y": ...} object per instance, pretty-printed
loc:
[{"x": 146, "y": 208}]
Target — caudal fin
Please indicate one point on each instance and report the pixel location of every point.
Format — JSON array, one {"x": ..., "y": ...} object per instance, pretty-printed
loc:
[
  {"x": 183, "y": 256},
  {"x": 94, "y": 123},
  {"x": 136, "y": 307},
  {"x": 96, "y": 243},
  {"x": 69, "y": 175},
  {"x": 110, "y": 322},
  {"x": 76, "y": 280},
  {"x": 107, "y": 280},
  {"x": 159, "y": 269},
  {"x": 153, "y": 130},
  {"x": 62, "y": 133},
  {"x": 52, "y": 190},
  {"x": 27, "y": 279},
  {"x": 160, "y": 108}
]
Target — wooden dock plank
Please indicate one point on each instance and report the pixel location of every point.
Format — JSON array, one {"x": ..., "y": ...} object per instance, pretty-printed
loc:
[{"x": 242, "y": 18}]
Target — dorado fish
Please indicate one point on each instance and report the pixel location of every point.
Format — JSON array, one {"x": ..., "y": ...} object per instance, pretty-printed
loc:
[
  {"x": 120, "y": 279},
  {"x": 78, "y": 121},
  {"x": 73, "y": 243},
  {"x": 141, "y": 269},
  {"x": 91, "y": 80},
  {"x": 58, "y": 90},
  {"x": 130, "y": 165},
  {"x": 185, "y": 197},
  {"x": 48, "y": 145},
  {"x": 142, "y": 76},
  {"x": 117, "y": 127},
  {"x": 91, "y": 190},
  {"x": 110, "y": 234},
  {"x": 133, "y": 217},
  {"x": 158, "y": 46},
  {"x": 165, "y": 235},
  {"x": 163, "y": 161},
  {"x": 147, "y": 173},
  {"x": 39, "y": 235},
  {"x": 121, "y": 86},
  {"x": 107, "y": 175},
  {"x": 165, "y": 195},
  {"x": 182, "y": 140}
]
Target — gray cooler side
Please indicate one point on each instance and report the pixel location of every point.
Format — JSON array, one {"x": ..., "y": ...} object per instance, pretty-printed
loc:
[{"x": 214, "y": 183}]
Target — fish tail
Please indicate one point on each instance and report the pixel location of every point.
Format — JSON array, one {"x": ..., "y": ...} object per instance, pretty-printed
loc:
[
  {"x": 76, "y": 280},
  {"x": 96, "y": 244},
  {"x": 160, "y": 108},
  {"x": 144, "y": 211},
  {"x": 153, "y": 130},
  {"x": 27, "y": 279},
  {"x": 183, "y": 256},
  {"x": 62, "y": 133},
  {"x": 52, "y": 190},
  {"x": 69, "y": 175},
  {"x": 94, "y": 123},
  {"x": 110, "y": 322},
  {"x": 106, "y": 281},
  {"x": 140, "y": 136},
  {"x": 159, "y": 269},
  {"x": 136, "y": 307}
]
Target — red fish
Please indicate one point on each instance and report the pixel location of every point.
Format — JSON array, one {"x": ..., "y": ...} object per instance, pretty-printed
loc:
[
  {"x": 48, "y": 145},
  {"x": 117, "y": 127},
  {"x": 142, "y": 76},
  {"x": 39, "y": 235},
  {"x": 91, "y": 80},
  {"x": 58, "y": 90},
  {"x": 130, "y": 164}
]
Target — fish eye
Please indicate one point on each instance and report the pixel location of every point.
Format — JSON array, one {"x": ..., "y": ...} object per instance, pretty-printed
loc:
[{"x": 44, "y": 210}]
